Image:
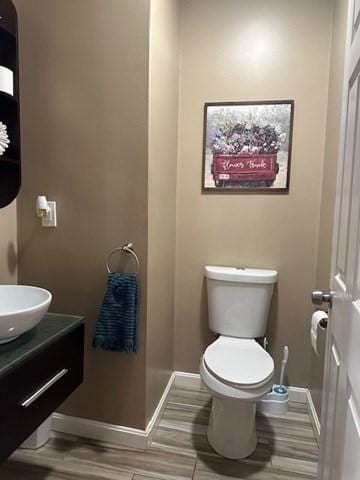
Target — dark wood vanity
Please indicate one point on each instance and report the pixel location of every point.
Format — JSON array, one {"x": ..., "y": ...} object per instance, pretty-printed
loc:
[{"x": 38, "y": 372}]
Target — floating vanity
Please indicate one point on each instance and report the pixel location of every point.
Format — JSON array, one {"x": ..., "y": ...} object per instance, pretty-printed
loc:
[{"x": 38, "y": 371}]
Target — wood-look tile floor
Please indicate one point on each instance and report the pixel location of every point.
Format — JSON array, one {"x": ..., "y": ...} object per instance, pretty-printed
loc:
[{"x": 287, "y": 450}]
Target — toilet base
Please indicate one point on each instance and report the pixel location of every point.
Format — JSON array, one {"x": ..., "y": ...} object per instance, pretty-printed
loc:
[{"x": 232, "y": 430}]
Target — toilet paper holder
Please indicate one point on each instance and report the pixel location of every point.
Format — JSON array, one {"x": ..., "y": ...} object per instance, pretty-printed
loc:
[
  {"x": 323, "y": 323},
  {"x": 319, "y": 297}
]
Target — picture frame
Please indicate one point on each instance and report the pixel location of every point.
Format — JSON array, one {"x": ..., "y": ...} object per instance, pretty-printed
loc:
[{"x": 247, "y": 146}]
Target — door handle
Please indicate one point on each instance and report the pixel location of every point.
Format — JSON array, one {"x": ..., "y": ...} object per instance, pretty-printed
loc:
[{"x": 318, "y": 298}]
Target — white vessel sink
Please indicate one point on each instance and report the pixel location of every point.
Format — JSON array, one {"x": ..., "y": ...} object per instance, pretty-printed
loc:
[{"x": 21, "y": 309}]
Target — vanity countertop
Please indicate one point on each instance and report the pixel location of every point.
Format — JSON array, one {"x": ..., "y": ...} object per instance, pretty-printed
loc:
[{"x": 52, "y": 327}]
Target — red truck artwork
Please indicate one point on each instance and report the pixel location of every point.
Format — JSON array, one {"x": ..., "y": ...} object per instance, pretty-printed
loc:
[
  {"x": 245, "y": 154},
  {"x": 244, "y": 168}
]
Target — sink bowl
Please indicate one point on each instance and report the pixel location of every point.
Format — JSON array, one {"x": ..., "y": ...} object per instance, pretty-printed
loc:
[{"x": 21, "y": 309}]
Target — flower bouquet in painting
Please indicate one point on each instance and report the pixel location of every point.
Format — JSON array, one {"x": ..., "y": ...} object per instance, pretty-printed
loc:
[
  {"x": 244, "y": 153},
  {"x": 243, "y": 143}
]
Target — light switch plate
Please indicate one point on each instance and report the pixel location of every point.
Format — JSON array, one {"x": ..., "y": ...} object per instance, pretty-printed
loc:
[{"x": 50, "y": 220}]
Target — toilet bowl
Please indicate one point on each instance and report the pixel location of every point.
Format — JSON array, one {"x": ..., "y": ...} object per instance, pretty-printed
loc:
[
  {"x": 235, "y": 368},
  {"x": 238, "y": 372}
]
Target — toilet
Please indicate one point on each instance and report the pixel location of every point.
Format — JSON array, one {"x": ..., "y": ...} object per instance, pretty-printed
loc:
[{"x": 235, "y": 368}]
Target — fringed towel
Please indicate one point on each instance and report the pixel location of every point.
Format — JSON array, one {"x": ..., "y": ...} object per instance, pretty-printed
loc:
[{"x": 116, "y": 328}]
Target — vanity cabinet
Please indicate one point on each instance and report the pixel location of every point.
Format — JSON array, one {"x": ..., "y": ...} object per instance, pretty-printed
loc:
[{"x": 33, "y": 386}]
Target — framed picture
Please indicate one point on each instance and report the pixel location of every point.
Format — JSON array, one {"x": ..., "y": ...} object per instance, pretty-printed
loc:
[{"x": 247, "y": 146}]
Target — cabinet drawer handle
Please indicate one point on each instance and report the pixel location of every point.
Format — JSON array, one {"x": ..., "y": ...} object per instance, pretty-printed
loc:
[{"x": 44, "y": 388}]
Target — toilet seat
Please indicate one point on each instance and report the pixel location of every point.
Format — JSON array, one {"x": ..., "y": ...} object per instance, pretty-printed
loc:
[{"x": 239, "y": 362}]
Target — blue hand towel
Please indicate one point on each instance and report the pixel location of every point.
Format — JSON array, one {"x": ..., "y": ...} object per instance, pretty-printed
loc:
[{"x": 116, "y": 328}]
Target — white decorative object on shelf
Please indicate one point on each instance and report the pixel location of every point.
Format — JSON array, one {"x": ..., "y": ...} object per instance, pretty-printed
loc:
[
  {"x": 6, "y": 80},
  {"x": 4, "y": 138}
]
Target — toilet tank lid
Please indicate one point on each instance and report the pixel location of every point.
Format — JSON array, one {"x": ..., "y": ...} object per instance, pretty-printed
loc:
[{"x": 241, "y": 274}]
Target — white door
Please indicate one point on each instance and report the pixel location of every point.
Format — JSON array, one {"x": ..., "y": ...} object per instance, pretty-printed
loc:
[{"x": 340, "y": 435}]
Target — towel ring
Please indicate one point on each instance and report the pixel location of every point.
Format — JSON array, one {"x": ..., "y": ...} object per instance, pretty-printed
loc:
[{"x": 128, "y": 248}]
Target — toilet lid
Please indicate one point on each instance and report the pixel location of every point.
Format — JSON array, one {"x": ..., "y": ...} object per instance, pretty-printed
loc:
[{"x": 239, "y": 361}]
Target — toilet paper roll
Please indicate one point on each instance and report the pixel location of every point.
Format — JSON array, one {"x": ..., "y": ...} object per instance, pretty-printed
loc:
[
  {"x": 315, "y": 321},
  {"x": 314, "y": 342},
  {"x": 6, "y": 80}
]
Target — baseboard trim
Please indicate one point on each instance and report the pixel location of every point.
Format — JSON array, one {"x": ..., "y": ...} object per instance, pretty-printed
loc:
[
  {"x": 155, "y": 419},
  {"x": 193, "y": 380},
  {"x": 297, "y": 394},
  {"x": 314, "y": 418},
  {"x": 138, "y": 438},
  {"x": 117, "y": 434},
  {"x": 103, "y": 432},
  {"x": 189, "y": 380}
]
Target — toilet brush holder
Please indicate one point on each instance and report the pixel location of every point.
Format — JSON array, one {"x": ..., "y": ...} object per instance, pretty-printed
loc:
[{"x": 275, "y": 402}]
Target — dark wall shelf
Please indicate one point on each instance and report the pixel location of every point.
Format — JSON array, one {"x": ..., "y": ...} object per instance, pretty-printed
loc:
[
  {"x": 9, "y": 116},
  {"x": 9, "y": 17},
  {"x": 8, "y": 47},
  {"x": 13, "y": 161},
  {"x": 10, "y": 160},
  {"x": 8, "y": 97}
]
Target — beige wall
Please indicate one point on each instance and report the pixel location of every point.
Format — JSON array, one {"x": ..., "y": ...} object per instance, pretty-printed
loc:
[
  {"x": 84, "y": 81},
  {"x": 99, "y": 121},
  {"x": 252, "y": 50},
  {"x": 8, "y": 244},
  {"x": 163, "y": 125},
  {"x": 329, "y": 182}
]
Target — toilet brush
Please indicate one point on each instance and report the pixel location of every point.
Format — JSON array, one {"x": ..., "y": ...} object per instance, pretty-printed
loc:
[
  {"x": 280, "y": 388},
  {"x": 276, "y": 402}
]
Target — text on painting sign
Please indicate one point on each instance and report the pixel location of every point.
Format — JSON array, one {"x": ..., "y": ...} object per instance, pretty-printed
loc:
[{"x": 248, "y": 164}]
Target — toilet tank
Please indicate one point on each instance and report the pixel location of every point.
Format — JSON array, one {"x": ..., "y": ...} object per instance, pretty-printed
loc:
[{"x": 239, "y": 300}]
